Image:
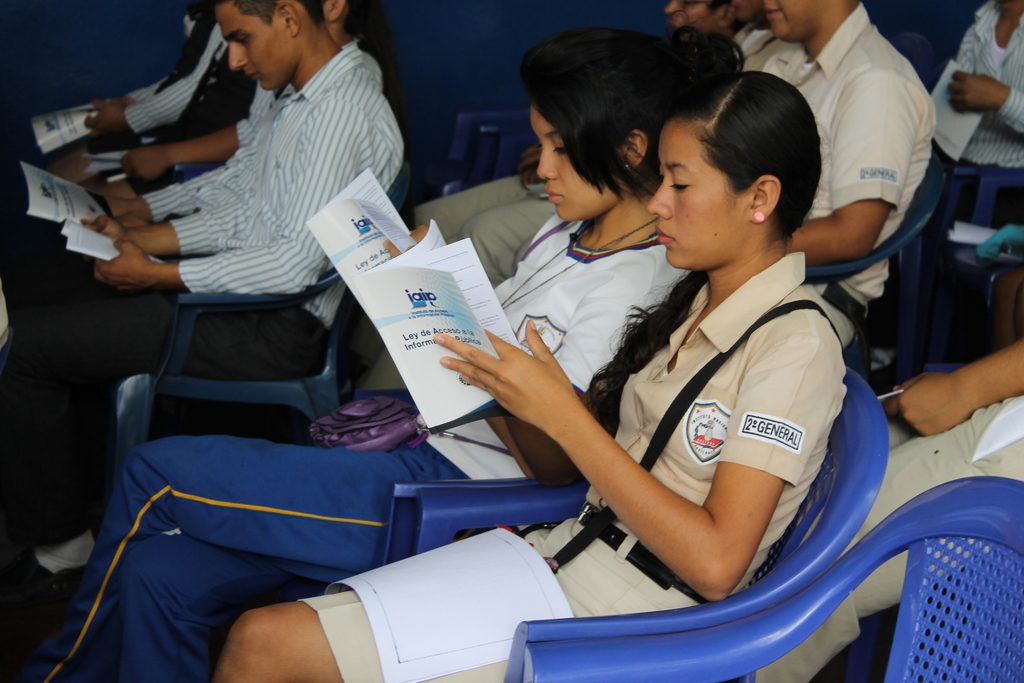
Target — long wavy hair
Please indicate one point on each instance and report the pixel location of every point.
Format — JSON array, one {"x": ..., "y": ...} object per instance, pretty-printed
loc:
[
  {"x": 597, "y": 85},
  {"x": 750, "y": 124}
]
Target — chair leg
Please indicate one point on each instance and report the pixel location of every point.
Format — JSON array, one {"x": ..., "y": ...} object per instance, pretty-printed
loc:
[
  {"x": 862, "y": 650},
  {"x": 131, "y": 416}
]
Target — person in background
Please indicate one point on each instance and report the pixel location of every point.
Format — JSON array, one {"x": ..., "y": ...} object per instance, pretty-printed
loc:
[
  {"x": 709, "y": 16},
  {"x": 755, "y": 38},
  {"x": 876, "y": 121},
  {"x": 84, "y": 325},
  {"x": 201, "y": 95}
]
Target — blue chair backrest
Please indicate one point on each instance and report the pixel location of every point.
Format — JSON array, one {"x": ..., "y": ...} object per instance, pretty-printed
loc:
[
  {"x": 959, "y": 618},
  {"x": 918, "y": 51}
]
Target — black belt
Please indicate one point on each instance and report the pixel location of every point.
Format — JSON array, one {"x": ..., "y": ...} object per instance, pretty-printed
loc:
[{"x": 642, "y": 558}]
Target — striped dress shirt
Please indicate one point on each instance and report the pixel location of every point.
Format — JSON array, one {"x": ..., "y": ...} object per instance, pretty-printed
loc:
[
  {"x": 999, "y": 138},
  {"x": 250, "y": 231},
  {"x": 152, "y": 108}
]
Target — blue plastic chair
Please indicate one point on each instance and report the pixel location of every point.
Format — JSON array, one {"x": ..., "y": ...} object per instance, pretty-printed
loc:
[
  {"x": 905, "y": 243},
  {"x": 959, "y": 618},
  {"x": 918, "y": 51},
  {"x": 313, "y": 396},
  {"x": 486, "y": 145},
  {"x": 427, "y": 515},
  {"x": 959, "y": 267},
  {"x": 5, "y": 350}
]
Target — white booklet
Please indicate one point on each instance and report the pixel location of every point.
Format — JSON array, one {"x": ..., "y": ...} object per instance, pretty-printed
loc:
[
  {"x": 58, "y": 128},
  {"x": 1006, "y": 429},
  {"x": 953, "y": 129},
  {"x": 430, "y": 288},
  {"x": 56, "y": 199},
  {"x": 456, "y": 607},
  {"x": 89, "y": 242}
]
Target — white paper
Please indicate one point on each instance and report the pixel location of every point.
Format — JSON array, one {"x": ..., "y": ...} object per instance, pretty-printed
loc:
[
  {"x": 55, "y": 199},
  {"x": 968, "y": 233},
  {"x": 456, "y": 607},
  {"x": 58, "y": 128},
  {"x": 953, "y": 129},
  {"x": 89, "y": 242},
  {"x": 99, "y": 166},
  {"x": 1007, "y": 428},
  {"x": 115, "y": 155},
  {"x": 408, "y": 306}
]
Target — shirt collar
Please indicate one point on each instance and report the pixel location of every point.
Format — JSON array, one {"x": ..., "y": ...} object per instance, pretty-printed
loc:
[
  {"x": 326, "y": 78},
  {"x": 832, "y": 55},
  {"x": 764, "y": 291}
]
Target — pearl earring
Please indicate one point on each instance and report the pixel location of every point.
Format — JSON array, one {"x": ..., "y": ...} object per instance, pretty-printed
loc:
[{"x": 759, "y": 217}]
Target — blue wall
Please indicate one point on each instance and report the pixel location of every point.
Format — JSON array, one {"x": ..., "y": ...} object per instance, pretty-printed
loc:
[{"x": 452, "y": 52}]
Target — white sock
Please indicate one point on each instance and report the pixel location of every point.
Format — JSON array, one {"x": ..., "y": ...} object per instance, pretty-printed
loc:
[{"x": 67, "y": 555}]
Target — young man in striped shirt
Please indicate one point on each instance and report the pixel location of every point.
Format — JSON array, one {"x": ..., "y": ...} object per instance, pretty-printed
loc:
[{"x": 249, "y": 236}]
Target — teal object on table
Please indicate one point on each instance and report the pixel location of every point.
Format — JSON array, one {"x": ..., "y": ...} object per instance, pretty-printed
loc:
[{"x": 1008, "y": 239}]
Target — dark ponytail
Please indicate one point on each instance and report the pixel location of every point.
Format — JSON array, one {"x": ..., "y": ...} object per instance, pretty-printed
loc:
[{"x": 368, "y": 24}]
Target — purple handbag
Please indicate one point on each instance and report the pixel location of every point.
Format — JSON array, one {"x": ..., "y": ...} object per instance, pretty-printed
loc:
[{"x": 377, "y": 423}]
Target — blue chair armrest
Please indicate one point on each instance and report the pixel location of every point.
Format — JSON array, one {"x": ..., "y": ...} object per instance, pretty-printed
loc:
[
  {"x": 191, "y": 305},
  {"x": 426, "y": 515}
]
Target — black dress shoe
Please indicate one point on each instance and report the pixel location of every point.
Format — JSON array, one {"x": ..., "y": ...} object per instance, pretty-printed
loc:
[{"x": 24, "y": 582}]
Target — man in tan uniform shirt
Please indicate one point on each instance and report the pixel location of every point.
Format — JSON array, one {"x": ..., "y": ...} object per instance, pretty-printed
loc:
[{"x": 876, "y": 122}]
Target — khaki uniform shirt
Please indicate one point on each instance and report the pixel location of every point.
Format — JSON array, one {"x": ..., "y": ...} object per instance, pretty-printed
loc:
[
  {"x": 875, "y": 120},
  {"x": 769, "y": 407}
]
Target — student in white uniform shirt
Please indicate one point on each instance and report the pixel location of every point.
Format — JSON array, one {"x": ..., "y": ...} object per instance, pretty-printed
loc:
[
  {"x": 252, "y": 515},
  {"x": 740, "y": 161}
]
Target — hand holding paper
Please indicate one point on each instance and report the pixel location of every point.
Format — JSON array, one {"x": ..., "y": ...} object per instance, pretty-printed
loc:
[
  {"x": 55, "y": 199},
  {"x": 953, "y": 129}
]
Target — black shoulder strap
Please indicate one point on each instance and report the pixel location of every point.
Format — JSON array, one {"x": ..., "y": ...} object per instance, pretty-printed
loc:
[{"x": 600, "y": 521}]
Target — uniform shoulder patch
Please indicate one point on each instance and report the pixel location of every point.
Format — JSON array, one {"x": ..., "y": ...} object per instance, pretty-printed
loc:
[
  {"x": 773, "y": 430},
  {"x": 704, "y": 430}
]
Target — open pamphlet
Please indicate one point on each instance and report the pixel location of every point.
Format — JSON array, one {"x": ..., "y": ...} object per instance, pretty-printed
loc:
[
  {"x": 456, "y": 607},
  {"x": 56, "y": 199},
  {"x": 431, "y": 288},
  {"x": 953, "y": 129},
  {"x": 58, "y": 128}
]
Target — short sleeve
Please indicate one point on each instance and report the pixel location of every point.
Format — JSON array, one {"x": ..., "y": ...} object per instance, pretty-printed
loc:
[
  {"x": 787, "y": 399},
  {"x": 872, "y": 138}
]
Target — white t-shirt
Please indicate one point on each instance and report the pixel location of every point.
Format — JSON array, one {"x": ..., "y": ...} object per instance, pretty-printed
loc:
[{"x": 579, "y": 301}]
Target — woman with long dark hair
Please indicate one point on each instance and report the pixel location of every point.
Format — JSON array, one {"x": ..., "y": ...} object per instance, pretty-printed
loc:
[{"x": 674, "y": 523}]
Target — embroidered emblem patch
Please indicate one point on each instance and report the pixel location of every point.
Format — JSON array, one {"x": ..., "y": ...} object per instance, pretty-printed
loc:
[
  {"x": 549, "y": 333},
  {"x": 773, "y": 430},
  {"x": 704, "y": 430},
  {"x": 889, "y": 175}
]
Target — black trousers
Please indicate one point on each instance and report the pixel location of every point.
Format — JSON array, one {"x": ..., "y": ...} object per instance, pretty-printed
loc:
[{"x": 74, "y": 334}]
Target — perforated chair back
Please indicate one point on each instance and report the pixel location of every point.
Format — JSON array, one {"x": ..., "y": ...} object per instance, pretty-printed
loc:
[
  {"x": 959, "y": 618},
  {"x": 962, "y": 612}
]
